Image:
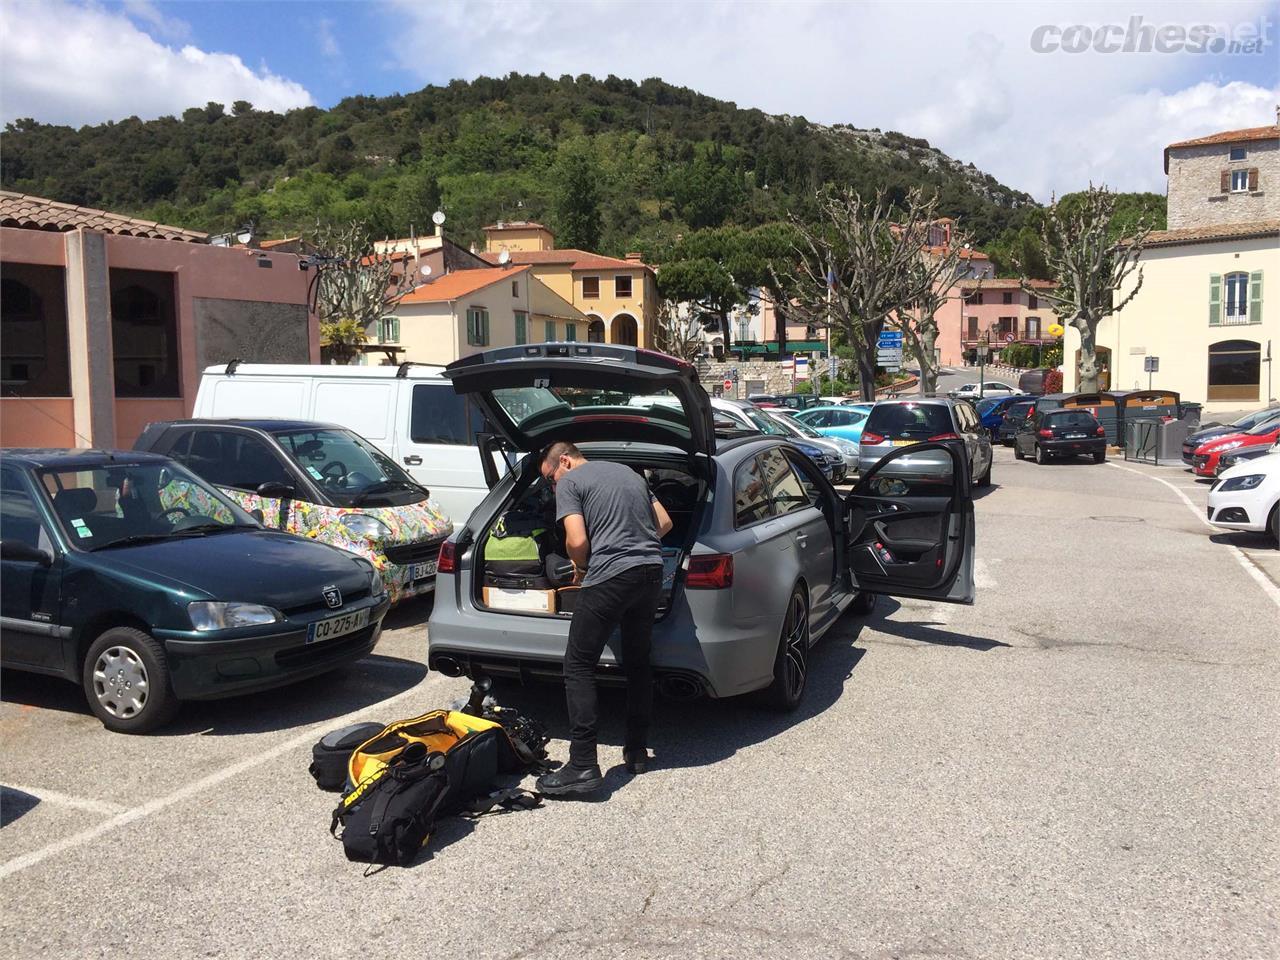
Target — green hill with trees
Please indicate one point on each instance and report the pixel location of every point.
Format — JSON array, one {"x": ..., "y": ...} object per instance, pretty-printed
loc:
[{"x": 609, "y": 164}]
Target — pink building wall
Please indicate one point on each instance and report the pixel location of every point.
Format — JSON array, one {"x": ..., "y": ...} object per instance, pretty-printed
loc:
[{"x": 199, "y": 271}]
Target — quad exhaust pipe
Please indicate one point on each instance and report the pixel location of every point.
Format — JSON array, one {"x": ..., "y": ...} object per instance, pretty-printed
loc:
[
  {"x": 449, "y": 666},
  {"x": 679, "y": 686}
]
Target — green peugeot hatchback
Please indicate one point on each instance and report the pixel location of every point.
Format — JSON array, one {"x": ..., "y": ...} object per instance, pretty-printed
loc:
[{"x": 127, "y": 574}]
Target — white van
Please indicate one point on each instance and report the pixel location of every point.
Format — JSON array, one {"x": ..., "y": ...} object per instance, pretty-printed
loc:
[{"x": 410, "y": 412}]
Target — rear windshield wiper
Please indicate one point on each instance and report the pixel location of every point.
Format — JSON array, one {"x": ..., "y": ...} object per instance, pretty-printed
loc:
[{"x": 384, "y": 486}]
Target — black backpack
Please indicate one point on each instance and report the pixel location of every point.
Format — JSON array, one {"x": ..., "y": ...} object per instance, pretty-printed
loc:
[
  {"x": 412, "y": 772},
  {"x": 331, "y": 755}
]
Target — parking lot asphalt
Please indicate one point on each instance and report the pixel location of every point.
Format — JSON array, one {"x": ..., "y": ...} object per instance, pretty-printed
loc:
[{"x": 1083, "y": 763}]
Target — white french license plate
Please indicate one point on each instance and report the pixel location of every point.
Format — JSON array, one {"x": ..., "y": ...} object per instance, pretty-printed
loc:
[
  {"x": 420, "y": 571},
  {"x": 1075, "y": 436},
  {"x": 337, "y": 626}
]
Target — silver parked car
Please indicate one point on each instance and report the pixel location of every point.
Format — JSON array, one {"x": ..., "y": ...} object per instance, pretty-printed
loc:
[
  {"x": 846, "y": 450},
  {"x": 902, "y": 426},
  {"x": 764, "y": 555}
]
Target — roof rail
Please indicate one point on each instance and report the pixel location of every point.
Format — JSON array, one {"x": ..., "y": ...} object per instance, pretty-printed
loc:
[
  {"x": 231, "y": 366},
  {"x": 402, "y": 371}
]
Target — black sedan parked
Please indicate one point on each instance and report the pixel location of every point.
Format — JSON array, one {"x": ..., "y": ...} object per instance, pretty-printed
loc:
[
  {"x": 1060, "y": 433},
  {"x": 127, "y": 574}
]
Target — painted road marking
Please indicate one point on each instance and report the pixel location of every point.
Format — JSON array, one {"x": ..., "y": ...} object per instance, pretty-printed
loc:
[
  {"x": 190, "y": 790},
  {"x": 104, "y": 807},
  {"x": 1251, "y": 568}
]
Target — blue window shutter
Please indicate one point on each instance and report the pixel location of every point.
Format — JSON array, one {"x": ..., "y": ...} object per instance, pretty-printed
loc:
[
  {"x": 1215, "y": 299},
  {"x": 1255, "y": 297}
]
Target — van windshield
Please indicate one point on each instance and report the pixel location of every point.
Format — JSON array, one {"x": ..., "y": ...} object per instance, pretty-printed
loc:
[{"x": 350, "y": 470}]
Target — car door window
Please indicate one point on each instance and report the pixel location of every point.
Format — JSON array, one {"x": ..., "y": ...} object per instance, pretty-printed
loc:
[
  {"x": 233, "y": 458},
  {"x": 439, "y": 415},
  {"x": 751, "y": 496},
  {"x": 786, "y": 494},
  {"x": 19, "y": 516}
]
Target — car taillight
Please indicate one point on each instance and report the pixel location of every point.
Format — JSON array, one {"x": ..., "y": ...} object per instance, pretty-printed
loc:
[
  {"x": 448, "y": 559},
  {"x": 710, "y": 571},
  {"x": 945, "y": 436},
  {"x": 1047, "y": 434},
  {"x": 872, "y": 438},
  {"x": 1101, "y": 431}
]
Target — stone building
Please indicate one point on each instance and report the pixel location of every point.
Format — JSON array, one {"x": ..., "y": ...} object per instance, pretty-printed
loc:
[{"x": 1228, "y": 177}]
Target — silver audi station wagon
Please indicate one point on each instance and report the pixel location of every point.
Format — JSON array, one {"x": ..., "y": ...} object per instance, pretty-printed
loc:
[{"x": 764, "y": 555}]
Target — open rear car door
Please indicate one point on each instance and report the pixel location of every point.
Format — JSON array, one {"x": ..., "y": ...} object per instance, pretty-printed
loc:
[{"x": 909, "y": 531}]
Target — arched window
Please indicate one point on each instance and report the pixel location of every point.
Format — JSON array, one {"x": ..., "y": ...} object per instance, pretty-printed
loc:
[
  {"x": 623, "y": 330},
  {"x": 1235, "y": 369},
  {"x": 144, "y": 336},
  {"x": 1236, "y": 297},
  {"x": 595, "y": 329}
]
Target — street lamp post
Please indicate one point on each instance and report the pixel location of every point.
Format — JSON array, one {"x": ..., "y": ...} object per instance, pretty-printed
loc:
[{"x": 984, "y": 347}]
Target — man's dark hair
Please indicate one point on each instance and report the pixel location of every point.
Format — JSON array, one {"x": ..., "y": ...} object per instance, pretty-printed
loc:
[{"x": 561, "y": 448}]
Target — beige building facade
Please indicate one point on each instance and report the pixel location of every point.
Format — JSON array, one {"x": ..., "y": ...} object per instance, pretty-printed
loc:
[
  {"x": 618, "y": 296},
  {"x": 1204, "y": 313}
]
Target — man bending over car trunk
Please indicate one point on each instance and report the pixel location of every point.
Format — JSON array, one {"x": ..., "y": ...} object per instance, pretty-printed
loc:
[{"x": 613, "y": 531}]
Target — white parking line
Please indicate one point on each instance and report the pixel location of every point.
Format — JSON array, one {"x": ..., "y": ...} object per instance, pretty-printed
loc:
[
  {"x": 126, "y": 817},
  {"x": 1251, "y": 568},
  {"x": 64, "y": 800}
]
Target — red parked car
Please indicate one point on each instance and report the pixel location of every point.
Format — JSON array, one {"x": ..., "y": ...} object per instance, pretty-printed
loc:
[{"x": 1207, "y": 461}]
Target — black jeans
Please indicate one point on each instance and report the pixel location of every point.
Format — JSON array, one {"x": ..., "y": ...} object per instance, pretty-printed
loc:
[{"x": 628, "y": 600}]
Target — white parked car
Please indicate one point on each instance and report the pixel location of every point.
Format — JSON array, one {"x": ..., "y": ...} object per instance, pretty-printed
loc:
[
  {"x": 1247, "y": 497},
  {"x": 990, "y": 388}
]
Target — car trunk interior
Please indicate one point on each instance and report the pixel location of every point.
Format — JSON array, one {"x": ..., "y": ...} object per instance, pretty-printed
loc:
[{"x": 521, "y": 586}]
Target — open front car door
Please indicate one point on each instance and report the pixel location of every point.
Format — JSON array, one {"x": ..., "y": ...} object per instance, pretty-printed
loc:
[{"x": 909, "y": 530}]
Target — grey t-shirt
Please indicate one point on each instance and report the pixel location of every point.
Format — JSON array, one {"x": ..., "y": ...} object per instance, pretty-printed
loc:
[{"x": 617, "y": 507}]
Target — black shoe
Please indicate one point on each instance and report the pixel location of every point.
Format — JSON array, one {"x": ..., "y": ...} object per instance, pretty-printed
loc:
[
  {"x": 637, "y": 760},
  {"x": 570, "y": 779}
]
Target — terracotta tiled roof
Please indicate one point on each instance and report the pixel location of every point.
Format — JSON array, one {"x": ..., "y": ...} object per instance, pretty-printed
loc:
[
  {"x": 519, "y": 225},
  {"x": 460, "y": 283},
  {"x": 1223, "y": 231},
  {"x": 576, "y": 259},
  {"x": 965, "y": 254},
  {"x": 38, "y": 213},
  {"x": 1271, "y": 132},
  {"x": 1003, "y": 284},
  {"x": 269, "y": 244}
]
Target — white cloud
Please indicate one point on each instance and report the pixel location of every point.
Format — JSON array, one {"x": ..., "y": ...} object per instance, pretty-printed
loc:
[
  {"x": 328, "y": 42},
  {"x": 962, "y": 75},
  {"x": 73, "y": 64}
]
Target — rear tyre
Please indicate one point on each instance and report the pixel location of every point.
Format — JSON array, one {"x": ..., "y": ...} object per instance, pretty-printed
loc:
[
  {"x": 864, "y": 604},
  {"x": 1017, "y": 452},
  {"x": 1100, "y": 457},
  {"x": 985, "y": 479},
  {"x": 1041, "y": 457},
  {"x": 791, "y": 665},
  {"x": 126, "y": 681},
  {"x": 1274, "y": 524}
]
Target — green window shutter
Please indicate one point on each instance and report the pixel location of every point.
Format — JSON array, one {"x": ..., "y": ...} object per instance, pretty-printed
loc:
[
  {"x": 1215, "y": 299},
  {"x": 1255, "y": 297},
  {"x": 522, "y": 333},
  {"x": 484, "y": 327},
  {"x": 471, "y": 327},
  {"x": 549, "y": 330},
  {"x": 570, "y": 331}
]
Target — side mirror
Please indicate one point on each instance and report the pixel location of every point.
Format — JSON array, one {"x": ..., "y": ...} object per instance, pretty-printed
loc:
[
  {"x": 723, "y": 426},
  {"x": 275, "y": 490},
  {"x": 257, "y": 515},
  {"x": 18, "y": 550}
]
